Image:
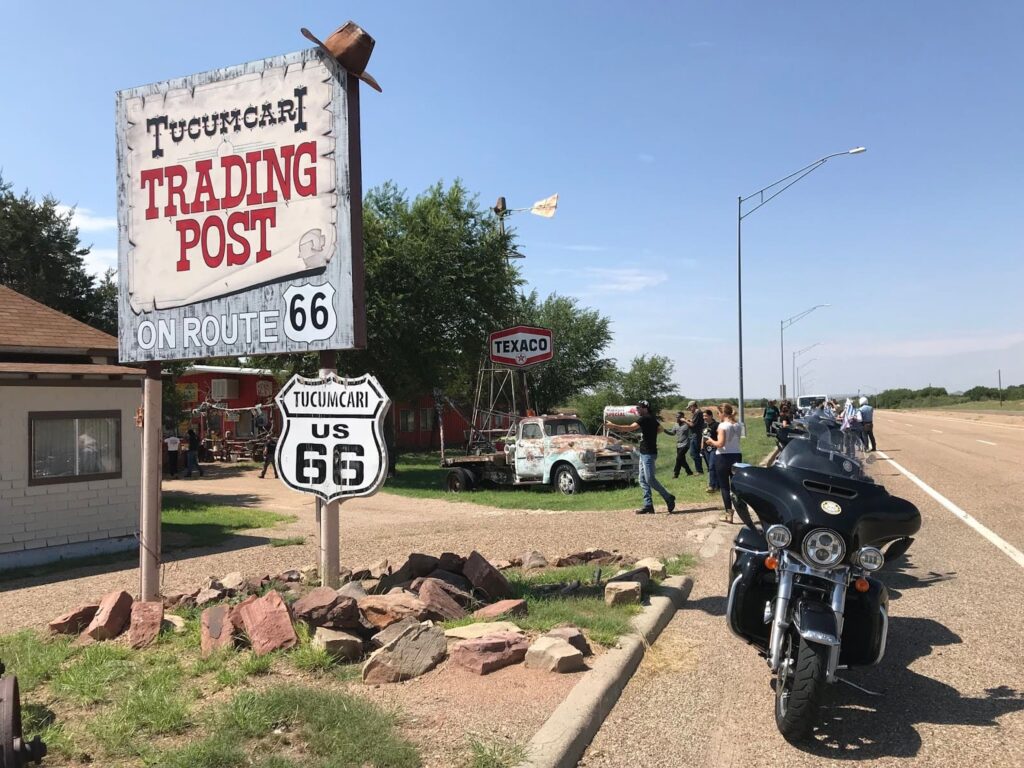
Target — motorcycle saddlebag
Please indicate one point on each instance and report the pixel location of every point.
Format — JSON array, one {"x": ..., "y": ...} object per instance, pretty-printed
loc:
[
  {"x": 751, "y": 586},
  {"x": 865, "y": 625}
]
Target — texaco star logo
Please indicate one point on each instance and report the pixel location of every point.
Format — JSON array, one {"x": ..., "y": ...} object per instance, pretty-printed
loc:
[{"x": 520, "y": 359}]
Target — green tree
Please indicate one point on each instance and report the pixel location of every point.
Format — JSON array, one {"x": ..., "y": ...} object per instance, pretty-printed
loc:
[
  {"x": 41, "y": 255},
  {"x": 104, "y": 304},
  {"x": 649, "y": 378},
  {"x": 580, "y": 338}
]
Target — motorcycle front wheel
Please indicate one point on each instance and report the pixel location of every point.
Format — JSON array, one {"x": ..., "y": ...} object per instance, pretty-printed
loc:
[{"x": 799, "y": 686}]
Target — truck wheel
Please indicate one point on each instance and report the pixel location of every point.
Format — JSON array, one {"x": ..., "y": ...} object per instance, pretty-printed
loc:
[
  {"x": 566, "y": 480},
  {"x": 459, "y": 480}
]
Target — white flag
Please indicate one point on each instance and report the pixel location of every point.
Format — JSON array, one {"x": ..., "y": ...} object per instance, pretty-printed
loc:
[{"x": 545, "y": 207}]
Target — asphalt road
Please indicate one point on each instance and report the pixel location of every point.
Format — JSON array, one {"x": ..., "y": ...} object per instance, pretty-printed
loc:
[{"x": 953, "y": 674}]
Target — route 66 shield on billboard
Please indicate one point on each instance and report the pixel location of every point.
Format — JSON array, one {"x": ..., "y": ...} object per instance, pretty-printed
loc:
[{"x": 332, "y": 444}]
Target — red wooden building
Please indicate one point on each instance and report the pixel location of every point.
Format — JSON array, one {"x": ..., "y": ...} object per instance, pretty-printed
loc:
[
  {"x": 415, "y": 425},
  {"x": 225, "y": 399}
]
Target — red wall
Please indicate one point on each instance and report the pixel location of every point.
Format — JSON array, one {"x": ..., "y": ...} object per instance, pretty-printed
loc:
[
  {"x": 424, "y": 436},
  {"x": 247, "y": 397}
]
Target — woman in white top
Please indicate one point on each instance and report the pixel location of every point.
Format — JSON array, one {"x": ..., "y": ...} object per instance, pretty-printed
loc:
[{"x": 727, "y": 453}]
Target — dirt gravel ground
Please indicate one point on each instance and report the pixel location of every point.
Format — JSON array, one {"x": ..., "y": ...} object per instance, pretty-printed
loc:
[{"x": 382, "y": 526}]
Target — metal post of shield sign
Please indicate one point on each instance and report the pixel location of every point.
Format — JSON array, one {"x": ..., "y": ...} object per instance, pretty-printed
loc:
[{"x": 332, "y": 443}]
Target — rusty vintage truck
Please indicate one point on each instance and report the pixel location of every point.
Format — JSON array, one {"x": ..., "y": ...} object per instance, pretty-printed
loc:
[{"x": 546, "y": 450}]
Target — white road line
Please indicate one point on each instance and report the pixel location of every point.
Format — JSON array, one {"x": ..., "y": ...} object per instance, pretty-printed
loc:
[
  {"x": 937, "y": 431},
  {"x": 907, "y": 425},
  {"x": 1007, "y": 549},
  {"x": 976, "y": 422},
  {"x": 986, "y": 442}
]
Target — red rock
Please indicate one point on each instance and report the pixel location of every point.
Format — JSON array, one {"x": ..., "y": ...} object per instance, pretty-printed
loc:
[
  {"x": 485, "y": 577},
  {"x": 641, "y": 575},
  {"x": 235, "y": 614},
  {"x": 457, "y": 587},
  {"x": 502, "y": 608},
  {"x": 112, "y": 616},
  {"x": 209, "y": 595},
  {"x": 145, "y": 624},
  {"x": 440, "y": 605},
  {"x": 590, "y": 556},
  {"x": 486, "y": 654},
  {"x": 451, "y": 562},
  {"x": 255, "y": 584},
  {"x": 315, "y": 605},
  {"x": 573, "y": 637},
  {"x": 417, "y": 565},
  {"x": 383, "y": 610},
  {"x": 268, "y": 624},
  {"x": 73, "y": 622},
  {"x": 417, "y": 650},
  {"x": 216, "y": 630}
]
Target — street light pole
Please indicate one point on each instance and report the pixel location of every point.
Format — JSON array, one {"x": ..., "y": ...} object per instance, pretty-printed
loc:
[
  {"x": 797, "y": 354},
  {"x": 787, "y": 182},
  {"x": 783, "y": 325}
]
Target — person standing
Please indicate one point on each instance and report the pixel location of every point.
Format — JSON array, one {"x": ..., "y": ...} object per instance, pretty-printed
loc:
[
  {"x": 696, "y": 425},
  {"x": 771, "y": 415},
  {"x": 648, "y": 425},
  {"x": 682, "y": 433},
  {"x": 867, "y": 423},
  {"x": 710, "y": 430},
  {"x": 727, "y": 453},
  {"x": 173, "y": 443},
  {"x": 268, "y": 456},
  {"x": 192, "y": 455}
]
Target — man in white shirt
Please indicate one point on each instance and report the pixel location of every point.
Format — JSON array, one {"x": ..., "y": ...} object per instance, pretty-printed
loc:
[
  {"x": 867, "y": 421},
  {"x": 173, "y": 443}
]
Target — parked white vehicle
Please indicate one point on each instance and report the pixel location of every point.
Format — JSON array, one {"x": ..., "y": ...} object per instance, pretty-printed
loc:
[{"x": 804, "y": 403}]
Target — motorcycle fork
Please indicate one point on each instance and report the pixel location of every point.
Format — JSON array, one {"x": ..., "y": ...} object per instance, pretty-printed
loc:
[
  {"x": 838, "y": 604},
  {"x": 781, "y": 621}
]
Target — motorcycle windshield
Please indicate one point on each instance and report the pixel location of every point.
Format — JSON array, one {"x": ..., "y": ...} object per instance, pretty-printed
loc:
[{"x": 841, "y": 443}]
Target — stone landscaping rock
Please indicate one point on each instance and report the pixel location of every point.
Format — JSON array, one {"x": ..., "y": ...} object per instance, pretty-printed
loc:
[
  {"x": 641, "y": 575},
  {"x": 486, "y": 654},
  {"x": 384, "y": 610},
  {"x": 233, "y": 583},
  {"x": 401, "y": 590},
  {"x": 534, "y": 559},
  {"x": 416, "y": 651},
  {"x": 268, "y": 624},
  {"x": 480, "y": 629},
  {"x": 291, "y": 576},
  {"x": 211, "y": 583},
  {"x": 451, "y": 562},
  {"x": 309, "y": 575},
  {"x": 352, "y": 589},
  {"x": 370, "y": 585},
  {"x": 457, "y": 587},
  {"x": 553, "y": 654},
  {"x": 145, "y": 623},
  {"x": 622, "y": 593},
  {"x": 340, "y": 645},
  {"x": 207, "y": 596},
  {"x": 440, "y": 605},
  {"x": 111, "y": 617},
  {"x": 385, "y": 636},
  {"x": 375, "y": 571},
  {"x": 501, "y": 565},
  {"x": 590, "y": 556},
  {"x": 502, "y": 608},
  {"x": 216, "y": 630},
  {"x": 655, "y": 567},
  {"x": 255, "y": 584},
  {"x": 73, "y": 622},
  {"x": 316, "y": 605},
  {"x": 174, "y": 623},
  {"x": 485, "y": 577},
  {"x": 573, "y": 637},
  {"x": 235, "y": 614},
  {"x": 179, "y": 600}
]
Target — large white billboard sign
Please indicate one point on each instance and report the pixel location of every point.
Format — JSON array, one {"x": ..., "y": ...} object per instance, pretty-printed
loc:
[{"x": 237, "y": 193}]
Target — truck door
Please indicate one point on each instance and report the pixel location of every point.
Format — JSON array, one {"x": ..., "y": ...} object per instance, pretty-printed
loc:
[{"x": 530, "y": 452}]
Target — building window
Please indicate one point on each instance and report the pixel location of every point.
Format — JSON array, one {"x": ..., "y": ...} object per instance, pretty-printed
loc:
[
  {"x": 427, "y": 419},
  {"x": 407, "y": 421},
  {"x": 75, "y": 446}
]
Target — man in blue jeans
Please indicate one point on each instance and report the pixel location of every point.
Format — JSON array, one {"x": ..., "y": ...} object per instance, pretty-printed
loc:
[{"x": 648, "y": 425}]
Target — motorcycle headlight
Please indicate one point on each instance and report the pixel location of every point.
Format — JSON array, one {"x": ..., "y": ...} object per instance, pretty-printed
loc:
[
  {"x": 778, "y": 536},
  {"x": 870, "y": 558},
  {"x": 824, "y": 547}
]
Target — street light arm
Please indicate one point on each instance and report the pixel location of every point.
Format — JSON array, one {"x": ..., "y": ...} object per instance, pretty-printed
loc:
[
  {"x": 791, "y": 320},
  {"x": 797, "y": 174}
]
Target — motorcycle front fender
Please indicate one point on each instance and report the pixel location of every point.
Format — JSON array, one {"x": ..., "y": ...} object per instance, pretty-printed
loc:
[{"x": 816, "y": 623}]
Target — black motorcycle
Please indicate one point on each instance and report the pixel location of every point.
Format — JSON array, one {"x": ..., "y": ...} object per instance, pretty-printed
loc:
[{"x": 801, "y": 585}]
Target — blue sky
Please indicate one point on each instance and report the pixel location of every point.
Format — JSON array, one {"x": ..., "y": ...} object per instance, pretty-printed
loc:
[{"x": 648, "y": 119}]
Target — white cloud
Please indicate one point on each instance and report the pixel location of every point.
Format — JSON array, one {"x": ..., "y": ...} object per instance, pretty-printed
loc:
[
  {"x": 937, "y": 347},
  {"x": 99, "y": 260},
  {"x": 644, "y": 157},
  {"x": 625, "y": 280},
  {"x": 86, "y": 221}
]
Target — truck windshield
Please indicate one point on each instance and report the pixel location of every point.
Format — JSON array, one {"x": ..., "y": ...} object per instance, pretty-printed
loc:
[
  {"x": 807, "y": 401},
  {"x": 565, "y": 427}
]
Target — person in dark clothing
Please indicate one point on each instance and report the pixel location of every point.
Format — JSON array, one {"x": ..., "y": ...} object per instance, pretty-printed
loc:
[
  {"x": 192, "y": 456},
  {"x": 682, "y": 433},
  {"x": 696, "y": 425},
  {"x": 771, "y": 415},
  {"x": 648, "y": 425},
  {"x": 268, "y": 457},
  {"x": 710, "y": 431}
]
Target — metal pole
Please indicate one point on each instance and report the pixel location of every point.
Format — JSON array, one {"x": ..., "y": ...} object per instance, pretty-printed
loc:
[
  {"x": 329, "y": 526},
  {"x": 782, "y": 361},
  {"x": 739, "y": 300},
  {"x": 999, "y": 372},
  {"x": 149, "y": 508},
  {"x": 792, "y": 378}
]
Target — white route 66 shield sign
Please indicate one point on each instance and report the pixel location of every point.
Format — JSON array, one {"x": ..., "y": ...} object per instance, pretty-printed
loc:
[
  {"x": 332, "y": 444},
  {"x": 309, "y": 313}
]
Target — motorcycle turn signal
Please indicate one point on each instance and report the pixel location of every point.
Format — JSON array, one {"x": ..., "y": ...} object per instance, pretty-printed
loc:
[
  {"x": 861, "y": 585},
  {"x": 771, "y": 562}
]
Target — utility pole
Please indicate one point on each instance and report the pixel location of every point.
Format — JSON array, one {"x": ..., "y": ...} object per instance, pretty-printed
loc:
[{"x": 999, "y": 372}]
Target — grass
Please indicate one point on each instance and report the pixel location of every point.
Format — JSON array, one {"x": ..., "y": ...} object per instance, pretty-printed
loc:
[
  {"x": 420, "y": 476},
  {"x": 94, "y": 675},
  {"x": 33, "y": 661},
  {"x": 291, "y": 541},
  {"x": 494, "y": 754}
]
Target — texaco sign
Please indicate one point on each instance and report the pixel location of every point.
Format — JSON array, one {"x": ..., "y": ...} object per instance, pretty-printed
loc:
[
  {"x": 239, "y": 212},
  {"x": 332, "y": 443},
  {"x": 521, "y": 346}
]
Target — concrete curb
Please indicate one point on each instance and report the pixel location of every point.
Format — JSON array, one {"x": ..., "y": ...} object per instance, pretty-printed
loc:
[{"x": 561, "y": 741}]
